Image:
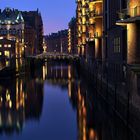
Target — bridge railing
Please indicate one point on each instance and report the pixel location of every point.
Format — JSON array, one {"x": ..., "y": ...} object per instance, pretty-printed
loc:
[{"x": 57, "y": 55}]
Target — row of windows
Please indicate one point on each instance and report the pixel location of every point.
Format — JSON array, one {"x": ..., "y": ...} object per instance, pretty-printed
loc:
[
  {"x": 10, "y": 31},
  {"x": 6, "y": 45},
  {"x": 6, "y": 53}
]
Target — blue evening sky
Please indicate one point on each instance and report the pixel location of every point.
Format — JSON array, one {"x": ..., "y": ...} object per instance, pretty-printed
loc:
[{"x": 56, "y": 13}]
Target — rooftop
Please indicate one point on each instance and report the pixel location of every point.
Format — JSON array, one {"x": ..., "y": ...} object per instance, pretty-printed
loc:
[{"x": 11, "y": 16}]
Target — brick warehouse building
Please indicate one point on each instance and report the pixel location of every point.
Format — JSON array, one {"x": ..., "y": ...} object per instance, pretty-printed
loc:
[
  {"x": 33, "y": 31},
  {"x": 90, "y": 29},
  {"x": 25, "y": 28},
  {"x": 12, "y": 29},
  {"x": 57, "y": 42},
  {"x": 107, "y": 33},
  {"x": 118, "y": 69}
]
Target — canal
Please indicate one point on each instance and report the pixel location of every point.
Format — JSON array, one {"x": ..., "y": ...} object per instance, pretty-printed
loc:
[{"x": 55, "y": 102}]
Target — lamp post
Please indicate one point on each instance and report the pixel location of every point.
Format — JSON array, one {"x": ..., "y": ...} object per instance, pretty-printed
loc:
[{"x": 44, "y": 47}]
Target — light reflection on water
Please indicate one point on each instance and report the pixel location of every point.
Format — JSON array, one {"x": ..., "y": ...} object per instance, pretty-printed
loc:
[{"x": 54, "y": 102}]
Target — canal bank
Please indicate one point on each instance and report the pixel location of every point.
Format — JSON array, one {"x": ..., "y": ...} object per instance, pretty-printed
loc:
[{"x": 123, "y": 97}]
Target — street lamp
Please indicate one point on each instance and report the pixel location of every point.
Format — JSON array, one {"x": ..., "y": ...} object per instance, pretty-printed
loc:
[{"x": 44, "y": 47}]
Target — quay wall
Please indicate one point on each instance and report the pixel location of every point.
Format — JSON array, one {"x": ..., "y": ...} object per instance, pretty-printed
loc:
[{"x": 123, "y": 97}]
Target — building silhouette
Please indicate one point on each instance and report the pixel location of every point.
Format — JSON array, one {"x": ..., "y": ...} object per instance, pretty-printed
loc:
[{"x": 57, "y": 42}]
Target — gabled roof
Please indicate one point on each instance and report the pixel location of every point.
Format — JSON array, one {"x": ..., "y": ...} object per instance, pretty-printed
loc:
[
  {"x": 20, "y": 17},
  {"x": 11, "y": 16}
]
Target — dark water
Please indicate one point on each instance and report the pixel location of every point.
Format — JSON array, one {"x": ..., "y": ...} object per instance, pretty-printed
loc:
[{"x": 56, "y": 103}]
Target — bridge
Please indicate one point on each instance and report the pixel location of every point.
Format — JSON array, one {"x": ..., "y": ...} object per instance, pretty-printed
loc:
[{"x": 57, "y": 56}]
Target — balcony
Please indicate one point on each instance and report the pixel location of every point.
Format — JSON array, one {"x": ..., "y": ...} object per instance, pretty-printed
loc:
[
  {"x": 96, "y": 14},
  {"x": 92, "y": 36},
  {"x": 96, "y": 1},
  {"x": 129, "y": 15}
]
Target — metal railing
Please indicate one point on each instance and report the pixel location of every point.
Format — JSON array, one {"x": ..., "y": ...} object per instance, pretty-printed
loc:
[
  {"x": 94, "y": 0},
  {"x": 95, "y": 13},
  {"x": 130, "y": 12}
]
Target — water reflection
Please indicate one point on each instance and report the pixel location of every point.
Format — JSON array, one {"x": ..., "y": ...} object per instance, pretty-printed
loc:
[
  {"x": 19, "y": 101},
  {"x": 31, "y": 98},
  {"x": 95, "y": 118},
  {"x": 59, "y": 74}
]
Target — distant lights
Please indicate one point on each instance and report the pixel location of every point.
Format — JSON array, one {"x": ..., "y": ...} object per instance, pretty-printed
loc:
[
  {"x": 10, "y": 104},
  {"x": 1, "y": 99},
  {"x": 9, "y": 22}
]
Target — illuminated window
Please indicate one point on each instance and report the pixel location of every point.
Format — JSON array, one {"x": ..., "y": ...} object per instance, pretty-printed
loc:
[
  {"x": 7, "y": 63},
  {"x": 0, "y": 45},
  {"x": 0, "y": 53},
  {"x": 7, "y": 53},
  {"x": 5, "y": 45},
  {"x": 22, "y": 40},
  {"x": 9, "y": 45}
]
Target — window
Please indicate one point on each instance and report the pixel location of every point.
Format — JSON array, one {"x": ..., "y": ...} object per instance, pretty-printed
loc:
[
  {"x": 14, "y": 31},
  {"x": 7, "y": 53},
  {"x": 117, "y": 44},
  {"x": 0, "y": 45},
  {"x": 5, "y": 31},
  {"x": 7, "y": 63},
  {"x": 0, "y": 53},
  {"x": 9, "y": 45},
  {"x": 5, "y": 45}
]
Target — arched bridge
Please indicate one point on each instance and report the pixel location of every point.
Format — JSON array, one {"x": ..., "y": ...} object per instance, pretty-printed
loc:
[{"x": 57, "y": 56}]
